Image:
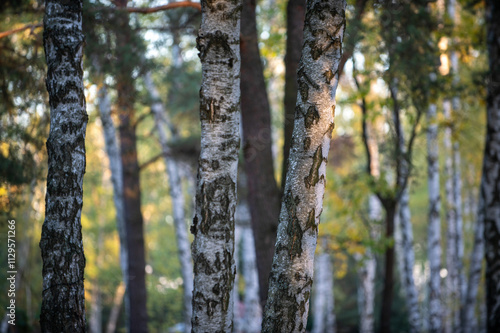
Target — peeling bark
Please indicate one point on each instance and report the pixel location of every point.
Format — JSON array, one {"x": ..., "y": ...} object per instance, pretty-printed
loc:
[
  {"x": 490, "y": 183},
  {"x": 434, "y": 230},
  {"x": 178, "y": 204},
  {"x": 213, "y": 225},
  {"x": 292, "y": 272},
  {"x": 63, "y": 303},
  {"x": 263, "y": 193}
]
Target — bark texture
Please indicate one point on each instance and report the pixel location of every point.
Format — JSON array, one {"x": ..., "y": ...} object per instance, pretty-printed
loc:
[
  {"x": 63, "y": 304},
  {"x": 434, "y": 230},
  {"x": 490, "y": 183},
  {"x": 263, "y": 193},
  {"x": 213, "y": 225},
  {"x": 178, "y": 204},
  {"x": 295, "y": 12},
  {"x": 292, "y": 271}
]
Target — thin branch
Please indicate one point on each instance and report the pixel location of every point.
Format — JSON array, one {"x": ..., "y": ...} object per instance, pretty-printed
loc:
[
  {"x": 26, "y": 27},
  {"x": 172, "y": 5},
  {"x": 152, "y": 160}
]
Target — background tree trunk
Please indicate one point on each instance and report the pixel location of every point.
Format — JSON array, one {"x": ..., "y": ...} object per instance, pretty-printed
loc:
[
  {"x": 178, "y": 204},
  {"x": 490, "y": 191},
  {"x": 469, "y": 321},
  {"x": 63, "y": 304},
  {"x": 295, "y": 12},
  {"x": 434, "y": 231},
  {"x": 115, "y": 166},
  {"x": 291, "y": 274},
  {"x": 323, "y": 301},
  {"x": 263, "y": 193},
  {"x": 213, "y": 225}
]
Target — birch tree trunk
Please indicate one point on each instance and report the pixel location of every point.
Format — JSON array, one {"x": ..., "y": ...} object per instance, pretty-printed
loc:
[
  {"x": 406, "y": 252},
  {"x": 323, "y": 301},
  {"x": 213, "y": 225},
  {"x": 469, "y": 321},
  {"x": 263, "y": 193},
  {"x": 115, "y": 166},
  {"x": 291, "y": 276},
  {"x": 490, "y": 183},
  {"x": 252, "y": 319},
  {"x": 451, "y": 223},
  {"x": 63, "y": 304},
  {"x": 178, "y": 204},
  {"x": 434, "y": 230}
]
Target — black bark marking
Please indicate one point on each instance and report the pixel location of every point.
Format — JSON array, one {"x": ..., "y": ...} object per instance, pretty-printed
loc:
[
  {"x": 214, "y": 204},
  {"x": 329, "y": 75},
  {"x": 313, "y": 178},
  {"x": 215, "y": 48},
  {"x": 311, "y": 117},
  {"x": 294, "y": 229},
  {"x": 307, "y": 143}
]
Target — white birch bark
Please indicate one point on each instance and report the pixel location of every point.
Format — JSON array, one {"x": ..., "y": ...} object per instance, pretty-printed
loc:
[
  {"x": 253, "y": 313},
  {"x": 177, "y": 197},
  {"x": 406, "y": 252},
  {"x": 451, "y": 281},
  {"x": 469, "y": 321},
  {"x": 434, "y": 230},
  {"x": 213, "y": 225},
  {"x": 323, "y": 301},
  {"x": 115, "y": 166},
  {"x": 63, "y": 303},
  {"x": 292, "y": 271}
]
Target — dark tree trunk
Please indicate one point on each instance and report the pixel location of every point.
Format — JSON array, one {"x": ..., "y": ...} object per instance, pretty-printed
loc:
[
  {"x": 63, "y": 303},
  {"x": 387, "y": 293},
  {"x": 490, "y": 188},
  {"x": 263, "y": 193},
  {"x": 136, "y": 293},
  {"x": 295, "y": 13}
]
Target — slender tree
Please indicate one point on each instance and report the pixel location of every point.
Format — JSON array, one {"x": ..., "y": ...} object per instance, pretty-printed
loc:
[
  {"x": 323, "y": 301},
  {"x": 490, "y": 190},
  {"x": 177, "y": 196},
  {"x": 434, "y": 229},
  {"x": 126, "y": 52},
  {"x": 213, "y": 225},
  {"x": 292, "y": 271},
  {"x": 263, "y": 193},
  {"x": 63, "y": 304}
]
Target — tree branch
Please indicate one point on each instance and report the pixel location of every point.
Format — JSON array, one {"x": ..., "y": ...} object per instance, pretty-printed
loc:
[
  {"x": 172, "y": 5},
  {"x": 26, "y": 27}
]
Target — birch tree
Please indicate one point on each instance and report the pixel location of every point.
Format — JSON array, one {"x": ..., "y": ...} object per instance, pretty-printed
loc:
[
  {"x": 434, "y": 229},
  {"x": 490, "y": 190},
  {"x": 213, "y": 225},
  {"x": 292, "y": 272},
  {"x": 63, "y": 304},
  {"x": 323, "y": 301},
  {"x": 177, "y": 196}
]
